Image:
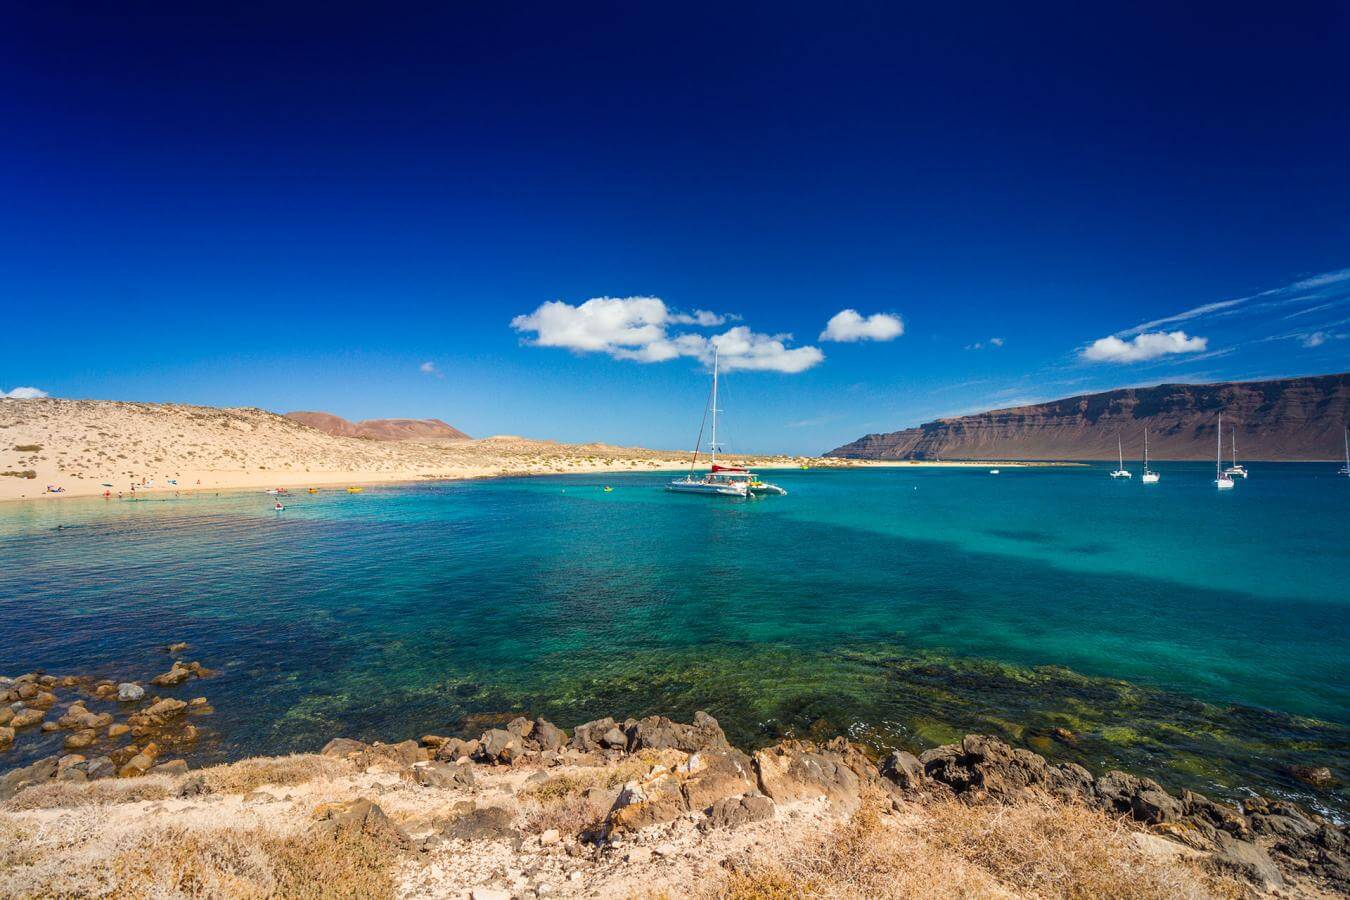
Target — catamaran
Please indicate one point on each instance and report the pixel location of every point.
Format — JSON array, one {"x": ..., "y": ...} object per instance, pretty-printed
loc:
[
  {"x": 1221, "y": 479},
  {"x": 1148, "y": 477},
  {"x": 1121, "y": 472},
  {"x": 1235, "y": 470},
  {"x": 725, "y": 481}
]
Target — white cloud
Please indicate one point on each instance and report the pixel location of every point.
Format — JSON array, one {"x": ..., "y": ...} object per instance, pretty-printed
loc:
[
  {"x": 700, "y": 317},
  {"x": 1316, "y": 339},
  {"x": 637, "y": 328},
  {"x": 24, "y": 393},
  {"x": 997, "y": 342},
  {"x": 429, "y": 368},
  {"x": 979, "y": 345},
  {"x": 850, "y": 325},
  {"x": 1143, "y": 347}
]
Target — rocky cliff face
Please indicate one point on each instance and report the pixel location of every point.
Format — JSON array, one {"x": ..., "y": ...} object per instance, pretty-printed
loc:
[
  {"x": 1290, "y": 419},
  {"x": 423, "y": 430}
]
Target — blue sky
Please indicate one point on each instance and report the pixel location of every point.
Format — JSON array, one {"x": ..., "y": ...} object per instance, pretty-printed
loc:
[{"x": 298, "y": 207}]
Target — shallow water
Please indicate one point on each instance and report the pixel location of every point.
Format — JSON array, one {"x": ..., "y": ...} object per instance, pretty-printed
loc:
[{"x": 1198, "y": 636}]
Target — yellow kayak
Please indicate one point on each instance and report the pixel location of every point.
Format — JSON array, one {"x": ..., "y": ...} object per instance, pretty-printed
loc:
[
  {"x": 313, "y": 490},
  {"x": 354, "y": 490}
]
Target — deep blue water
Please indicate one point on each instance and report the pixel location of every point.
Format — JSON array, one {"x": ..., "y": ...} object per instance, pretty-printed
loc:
[{"x": 1198, "y": 636}]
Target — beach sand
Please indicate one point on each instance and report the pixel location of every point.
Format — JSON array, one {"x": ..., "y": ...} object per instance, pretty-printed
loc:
[{"x": 84, "y": 446}]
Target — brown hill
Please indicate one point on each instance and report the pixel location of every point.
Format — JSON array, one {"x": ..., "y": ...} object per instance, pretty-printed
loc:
[
  {"x": 1292, "y": 418},
  {"x": 427, "y": 431}
]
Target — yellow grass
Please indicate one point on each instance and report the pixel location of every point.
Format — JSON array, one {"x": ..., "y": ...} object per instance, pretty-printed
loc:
[{"x": 1039, "y": 850}]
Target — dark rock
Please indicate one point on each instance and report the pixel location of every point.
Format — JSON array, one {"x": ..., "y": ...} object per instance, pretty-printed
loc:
[
  {"x": 1153, "y": 806},
  {"x": 731, "y": 812},
  {"x": 500, "y": 746},
  {"x": 660, "y": 733},
  {"x": 361, "y": 817},
  {"x": 100, "y": 767},
  {"x": 985, "y": 766},
  {"x": 16, "y": 780},
  {"x": 586, "y": 738},
  {"x": 904, "y": 769},
  {"x": 548, "y": 736},
  {"x": 454, "y": 749},
  {"x": 1317, "y": 776},
  {"x": 614, "y": 739},
  {"x": 480, "y": 824},
  {"x": 195, "y": 786},
  {"x": 172, "y": 767},
  {"x": 443, "y": 775},
  {"x": 1070, "y": 781},
  {"x": 521, "y": 727},
  {"x": 342, "y": 748}
]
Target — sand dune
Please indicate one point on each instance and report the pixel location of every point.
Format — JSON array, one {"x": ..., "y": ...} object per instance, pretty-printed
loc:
[{"x": 83, "y": 445}]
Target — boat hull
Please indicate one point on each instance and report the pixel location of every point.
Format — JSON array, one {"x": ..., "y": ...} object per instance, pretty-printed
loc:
[{"x": 705, "y": 488}]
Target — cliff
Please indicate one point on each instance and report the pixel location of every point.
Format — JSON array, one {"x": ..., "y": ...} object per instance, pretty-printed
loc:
[{"x": 1286, "y": 419}]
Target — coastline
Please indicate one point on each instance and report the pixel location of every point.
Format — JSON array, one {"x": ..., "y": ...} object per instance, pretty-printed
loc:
[{"x": 623, "y": 807}]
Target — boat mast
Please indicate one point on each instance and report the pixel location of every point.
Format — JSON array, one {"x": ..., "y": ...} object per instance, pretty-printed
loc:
[
  {"x": 1145, "y": 449},
  {"x": 1235, "y": 448},
  {"x": 713, "y": 447},
  {"x": 1120, "y": 452},
  {"x": 1218, "y": 454}
]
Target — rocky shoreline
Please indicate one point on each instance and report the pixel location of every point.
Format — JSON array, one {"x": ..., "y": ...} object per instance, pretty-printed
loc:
[{"x": 617, "y": 792}]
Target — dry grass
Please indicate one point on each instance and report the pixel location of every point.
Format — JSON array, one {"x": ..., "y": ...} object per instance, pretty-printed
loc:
[
  {"x": 280, "y": 771},
  {"x": 105, "y": 791},
  {"x": 175, "y": 862},
  {"x": 1040, "y": 850},
  {"x": 236, "y": 778}
]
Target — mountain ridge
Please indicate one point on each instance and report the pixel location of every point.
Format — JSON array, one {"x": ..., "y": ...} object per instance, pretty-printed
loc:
[
  {"x": 1292, "y": 419},
  {"x": 423, "y": 430}
]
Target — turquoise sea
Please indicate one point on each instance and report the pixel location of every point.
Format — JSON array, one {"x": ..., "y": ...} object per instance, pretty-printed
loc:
[{"x": 1200, "y": 637}]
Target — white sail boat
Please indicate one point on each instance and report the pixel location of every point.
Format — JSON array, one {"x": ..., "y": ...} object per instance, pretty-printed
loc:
[
  {"x": 724, "y": 481},
  {"x": 1221, "y": 480},
  {"x": 1148, "y": 477},
  {"x": 1121, "y": 472},
  {"x": 1345, "y": 469},
  {"x": 1235, "y": 470}
]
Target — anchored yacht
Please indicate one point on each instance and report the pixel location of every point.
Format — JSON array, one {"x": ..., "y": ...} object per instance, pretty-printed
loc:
[
  {"x": 1221, "y": 479},
  {"x": 1149, "y": 477},
  {"x": 725, "y": 481},
  {"x": 1235, "y": 470},
  {"x": 1121, "y": 472}
]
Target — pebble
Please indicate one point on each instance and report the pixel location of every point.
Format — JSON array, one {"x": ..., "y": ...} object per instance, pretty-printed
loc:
[{"x": 129, "y": 692}]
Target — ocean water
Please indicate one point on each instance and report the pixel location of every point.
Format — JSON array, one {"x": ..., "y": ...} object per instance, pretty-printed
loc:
[{"x": 1199, "y": 637}]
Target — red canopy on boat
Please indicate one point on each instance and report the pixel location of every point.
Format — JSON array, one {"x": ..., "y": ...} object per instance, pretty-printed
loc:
[{"x": 717, "y": 468}]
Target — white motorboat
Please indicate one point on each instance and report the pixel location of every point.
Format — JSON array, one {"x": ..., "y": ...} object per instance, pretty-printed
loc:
[
  {"x": 724, "y": 481},
  {"x": 1121, "y": 472},
  {"x": 1235, "y": 470},
  {"x": 1221, "y": 479},
  {"x": 1148, "y": 477}
]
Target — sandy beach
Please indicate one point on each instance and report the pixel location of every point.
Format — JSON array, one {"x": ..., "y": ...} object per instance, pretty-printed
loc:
[{"x": 89, "y": 447}]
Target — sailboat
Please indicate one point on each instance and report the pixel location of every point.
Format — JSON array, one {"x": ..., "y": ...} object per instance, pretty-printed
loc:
[
  {"x": 725, "y": 481},
  {"x": 1235, "y": 471},
  {"x": 1121, "y": 472},
  {"x": 1148, "y": 477},
  {"x": 1221, "y": 479},
  {"x": 1345, "y": 469}
]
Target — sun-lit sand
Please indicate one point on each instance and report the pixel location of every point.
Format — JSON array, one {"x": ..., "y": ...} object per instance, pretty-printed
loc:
[{"x": 88, "y": 447}]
